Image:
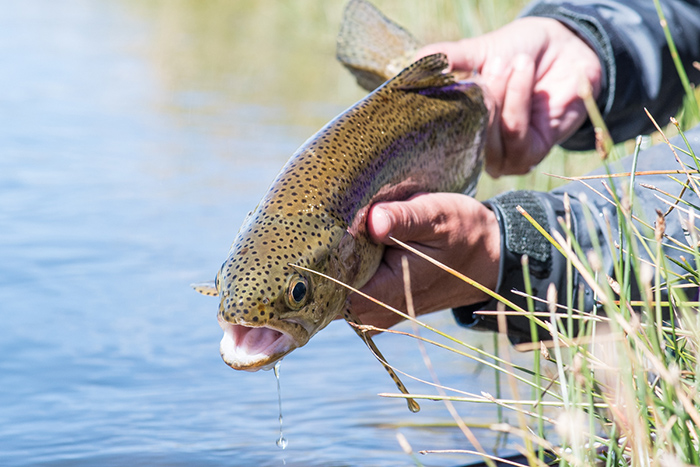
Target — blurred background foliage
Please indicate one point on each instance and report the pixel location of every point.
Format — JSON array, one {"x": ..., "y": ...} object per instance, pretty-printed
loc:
[{"x": 282, "y": 53}]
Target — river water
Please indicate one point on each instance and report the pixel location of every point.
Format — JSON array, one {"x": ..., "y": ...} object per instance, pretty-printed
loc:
[{"x": 134, "y": 138}]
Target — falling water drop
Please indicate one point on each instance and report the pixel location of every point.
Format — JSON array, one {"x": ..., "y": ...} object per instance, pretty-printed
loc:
[{"x": 281, "y": 442}]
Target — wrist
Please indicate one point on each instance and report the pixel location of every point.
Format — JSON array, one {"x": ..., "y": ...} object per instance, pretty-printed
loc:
[{"x": 490, "y": 248}]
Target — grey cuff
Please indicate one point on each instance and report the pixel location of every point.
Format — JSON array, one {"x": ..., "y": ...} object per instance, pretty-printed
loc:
[{"x": 546, "y": 265}]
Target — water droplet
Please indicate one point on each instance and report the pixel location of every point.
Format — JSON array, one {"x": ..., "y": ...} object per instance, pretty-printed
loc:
[{"x": 282, "y": 441}]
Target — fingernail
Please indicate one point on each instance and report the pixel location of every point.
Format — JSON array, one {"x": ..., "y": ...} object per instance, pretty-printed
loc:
[{"x": 381, "y": 222}]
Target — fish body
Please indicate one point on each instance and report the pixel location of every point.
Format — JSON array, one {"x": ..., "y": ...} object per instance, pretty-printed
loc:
[{"x": 421, "y": 131}]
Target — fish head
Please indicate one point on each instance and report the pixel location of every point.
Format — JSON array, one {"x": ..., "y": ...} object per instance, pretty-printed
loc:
[{"x": 268, "y": 307}]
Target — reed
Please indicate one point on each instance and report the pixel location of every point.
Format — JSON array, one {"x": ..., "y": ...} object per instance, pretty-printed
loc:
[
  {"x": 626, "y": 390},
  {"x": 627, "y": 375}
]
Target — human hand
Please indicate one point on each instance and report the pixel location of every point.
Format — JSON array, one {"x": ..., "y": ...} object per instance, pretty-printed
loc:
[
  {"x": 531, "y": 70},
  {"x": 454, "y": 229}
]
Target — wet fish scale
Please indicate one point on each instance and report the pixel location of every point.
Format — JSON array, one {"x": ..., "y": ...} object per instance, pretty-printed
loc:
[
  {"x": 421, "y": 131},
  {"x": 396, "y": 142}
]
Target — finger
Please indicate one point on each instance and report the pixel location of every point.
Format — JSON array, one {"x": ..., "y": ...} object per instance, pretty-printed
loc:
[
  {"x": 391, "y": 219},
  {"x": 423, "y": 218},
  {"x": 463, "y": 55},
  {"x": 516, "y": 118},
  {"x": 415, "y": 220},
  {"x": 386, "y": 286},
  {"x": 494, "y": 81},
  {"x": 380, "y": 222},
  {"x": 573, "y": 117}
]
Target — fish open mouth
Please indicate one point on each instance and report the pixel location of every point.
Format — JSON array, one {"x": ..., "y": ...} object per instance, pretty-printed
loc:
[{"x": 253, "y": 348}]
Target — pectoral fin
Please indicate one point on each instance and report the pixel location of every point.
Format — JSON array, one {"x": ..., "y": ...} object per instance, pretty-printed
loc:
[
  {"x": 351, "y": 318},
  {"x": 206, "y": 288}
]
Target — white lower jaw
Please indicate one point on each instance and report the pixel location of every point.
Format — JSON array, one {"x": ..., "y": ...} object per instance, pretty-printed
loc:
[{"x": 253, "y": 349}]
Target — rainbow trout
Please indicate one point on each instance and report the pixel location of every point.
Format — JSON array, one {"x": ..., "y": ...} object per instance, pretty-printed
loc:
[{"x": 420, "y": 131}]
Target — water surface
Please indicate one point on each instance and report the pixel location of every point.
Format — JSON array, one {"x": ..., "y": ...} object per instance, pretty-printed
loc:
[{"x": 133, "y": 141}]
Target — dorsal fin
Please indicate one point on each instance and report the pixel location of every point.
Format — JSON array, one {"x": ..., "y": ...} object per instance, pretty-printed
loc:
[
  {"x": 371, "y": 46},
  {"x": 425, "y": 73}
]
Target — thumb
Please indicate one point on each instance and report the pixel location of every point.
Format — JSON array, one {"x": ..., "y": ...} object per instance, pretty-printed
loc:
[
  {"x": 410, "y": 220},
  {"x": 380, "y": 222}
]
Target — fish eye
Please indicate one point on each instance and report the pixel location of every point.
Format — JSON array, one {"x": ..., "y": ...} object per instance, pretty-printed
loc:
[{"x": 297, "y": 291}]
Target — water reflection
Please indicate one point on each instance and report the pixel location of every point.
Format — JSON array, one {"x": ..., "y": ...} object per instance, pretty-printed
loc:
[{"x": 135, "y": 136}]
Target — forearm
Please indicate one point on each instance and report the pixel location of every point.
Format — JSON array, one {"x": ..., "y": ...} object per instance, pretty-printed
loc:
[{"x": 638, "y": 71}]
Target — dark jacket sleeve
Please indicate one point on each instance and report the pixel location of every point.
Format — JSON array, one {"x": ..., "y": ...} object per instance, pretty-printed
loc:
[
  {"x": 547, "y": 266},
  {"x": 638, "y": 71}
]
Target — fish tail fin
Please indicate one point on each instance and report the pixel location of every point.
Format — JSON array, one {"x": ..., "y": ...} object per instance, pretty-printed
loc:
[
  {"x": 371, "y": 46},
  {"x": 351, "y": 318}
]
